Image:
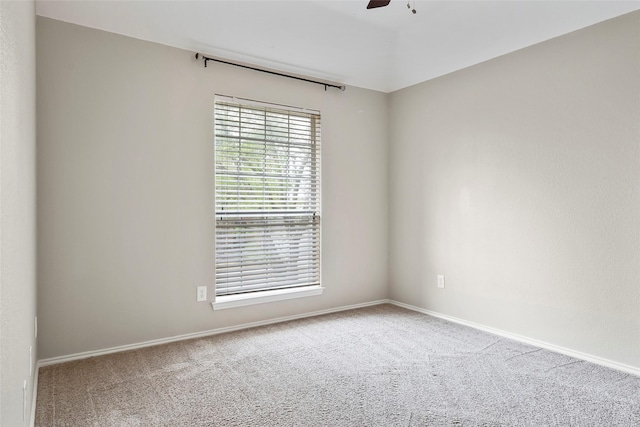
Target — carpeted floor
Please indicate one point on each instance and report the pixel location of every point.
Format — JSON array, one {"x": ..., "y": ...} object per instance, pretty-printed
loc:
[{"x": 378, "y": 366}]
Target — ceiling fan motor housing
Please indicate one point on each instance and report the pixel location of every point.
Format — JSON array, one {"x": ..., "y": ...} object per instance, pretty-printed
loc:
[{"x": 377, "y": 3}]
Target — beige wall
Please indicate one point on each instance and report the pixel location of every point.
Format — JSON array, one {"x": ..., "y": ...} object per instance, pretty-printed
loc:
[
  {"x": 17, "y": 209},
  {"x": 125, "y": 190},
  {"x": 519, "y": 180}
]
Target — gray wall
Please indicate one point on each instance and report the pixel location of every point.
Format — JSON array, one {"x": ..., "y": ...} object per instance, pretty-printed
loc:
[
  {"x": 125, "y": 190},
  {"x": 519, "y": 180},
  {"x": 17, "y": 208}
]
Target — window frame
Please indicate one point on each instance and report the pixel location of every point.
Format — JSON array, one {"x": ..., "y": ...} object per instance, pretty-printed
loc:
[{"x": 265, "y": 293}]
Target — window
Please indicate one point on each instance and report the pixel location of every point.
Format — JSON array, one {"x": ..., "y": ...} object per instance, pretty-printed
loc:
[{"x": 267, "y": 193}]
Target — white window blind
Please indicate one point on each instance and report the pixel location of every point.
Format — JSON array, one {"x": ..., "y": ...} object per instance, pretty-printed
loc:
[{"x": 267, "y": 191}]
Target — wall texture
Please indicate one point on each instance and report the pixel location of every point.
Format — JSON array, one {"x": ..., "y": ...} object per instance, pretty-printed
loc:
[
  {"x": 125, "y": 190},
  {"x": 519, "y": 180},
  {"x": 17, "y": 209}
]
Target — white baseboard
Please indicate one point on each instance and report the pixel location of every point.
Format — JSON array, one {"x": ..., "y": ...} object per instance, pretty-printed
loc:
[
  {"x": 552, "y": 347},
  {"x": 87, "y": 354}
]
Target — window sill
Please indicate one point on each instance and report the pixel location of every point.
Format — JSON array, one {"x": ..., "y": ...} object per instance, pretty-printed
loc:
[{"x": 232, "y": 301}]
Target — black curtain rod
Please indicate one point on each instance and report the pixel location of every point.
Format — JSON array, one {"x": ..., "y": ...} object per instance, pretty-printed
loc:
[{"x": 326, "y": 85}]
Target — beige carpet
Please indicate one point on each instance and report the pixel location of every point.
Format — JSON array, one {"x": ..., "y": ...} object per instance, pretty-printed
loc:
[{"x": 379, "y": 366}]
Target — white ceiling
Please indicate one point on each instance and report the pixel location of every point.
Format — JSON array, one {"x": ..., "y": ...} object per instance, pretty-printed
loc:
[{"x": 383, "y": 49}]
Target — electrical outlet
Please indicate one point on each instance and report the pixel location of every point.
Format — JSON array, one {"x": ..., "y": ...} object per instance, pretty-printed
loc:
[
  {"x": 202, "y": 293},
  {"x": 440, "y": 281}
]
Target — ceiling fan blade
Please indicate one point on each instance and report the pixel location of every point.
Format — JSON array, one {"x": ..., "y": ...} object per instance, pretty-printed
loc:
[{"x": 373, "y": 4}]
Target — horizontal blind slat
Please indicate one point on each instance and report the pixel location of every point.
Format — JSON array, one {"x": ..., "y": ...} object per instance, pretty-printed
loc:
[{"x": 264, "y": 275}]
